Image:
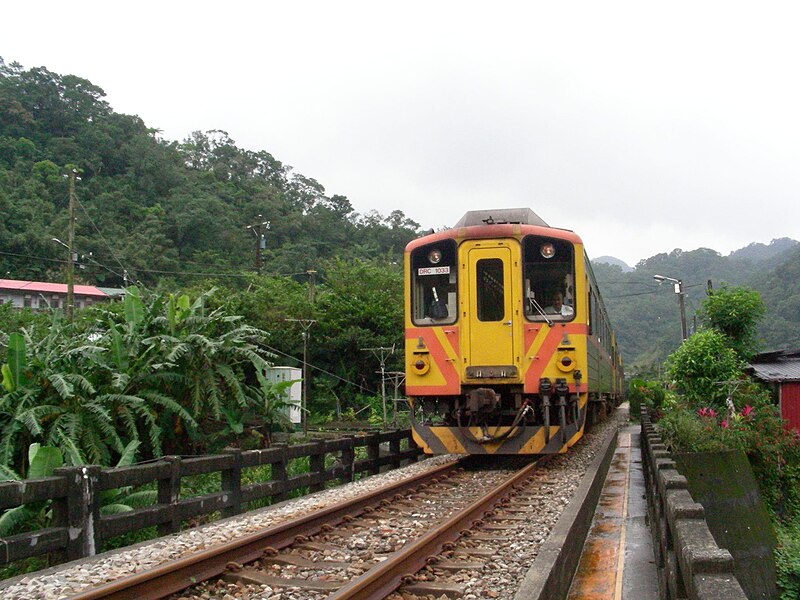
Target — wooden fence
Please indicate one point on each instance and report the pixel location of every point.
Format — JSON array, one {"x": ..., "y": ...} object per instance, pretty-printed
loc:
[{"x": 78, "y": 529}]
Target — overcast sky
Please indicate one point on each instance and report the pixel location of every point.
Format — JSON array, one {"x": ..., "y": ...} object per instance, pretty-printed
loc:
[{"x": 642, "y": 126}]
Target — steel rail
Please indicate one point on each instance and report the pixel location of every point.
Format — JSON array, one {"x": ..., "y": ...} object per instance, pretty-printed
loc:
[
  {"x": 176, "y": 575},
  {"x": 382, "y": 580}
]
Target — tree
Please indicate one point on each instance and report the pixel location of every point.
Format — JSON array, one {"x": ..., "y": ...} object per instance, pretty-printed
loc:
[
  {"x": 701, "y": 366},
  {"x": 735, "y": 312}
]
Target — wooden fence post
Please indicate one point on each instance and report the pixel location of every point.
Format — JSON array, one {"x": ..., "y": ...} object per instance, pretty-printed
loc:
[
  {"x": 280, "y": 474},
  {"x": 79, "y": 510},
  {"x": 394, "y": 451},
  {"x": 169, "y": 492},
  {"x": 348, "y": 460},
  {"x": 374, "y": 454},
  {"x": 232, "y": 483},
  {"x": 316, "y": 465}
]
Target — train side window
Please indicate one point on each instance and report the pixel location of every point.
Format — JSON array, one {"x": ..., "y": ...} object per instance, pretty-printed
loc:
[
  {"x": 434, "y": 278},
  {"x": 490, "y": 289},
  {"x": 548, "y": 272}
]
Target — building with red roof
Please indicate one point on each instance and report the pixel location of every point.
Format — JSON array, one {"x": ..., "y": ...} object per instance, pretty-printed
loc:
[
  {"x": 781, "y": 371},
  {"x": 39, "y": 295}
]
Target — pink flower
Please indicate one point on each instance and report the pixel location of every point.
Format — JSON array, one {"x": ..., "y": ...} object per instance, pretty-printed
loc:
[
  {"x": 703, "y": 412},
  {"x": 712, "y": 412},
  {"x": 747, "y": 410},
  {"x": 724, "y": 424}
]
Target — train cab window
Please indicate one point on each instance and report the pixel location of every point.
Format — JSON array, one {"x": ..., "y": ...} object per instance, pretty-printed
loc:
[
  {"x": 434, "y": 278},
  {"x": 490, "y": 288},
  {"x": 548, "y": 273}
]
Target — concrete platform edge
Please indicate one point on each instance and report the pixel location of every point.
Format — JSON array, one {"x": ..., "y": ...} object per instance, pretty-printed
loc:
[{"x": 552, "y": 571}]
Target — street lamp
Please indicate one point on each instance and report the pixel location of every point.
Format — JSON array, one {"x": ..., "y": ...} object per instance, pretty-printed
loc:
[{"x": 678, "y": 290}]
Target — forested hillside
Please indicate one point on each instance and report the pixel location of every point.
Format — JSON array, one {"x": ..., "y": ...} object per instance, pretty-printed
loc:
[
  {"x": 153, "y": 207},
  {"x": 646, "y": 315},
  {"x": 174, "y": 215}
]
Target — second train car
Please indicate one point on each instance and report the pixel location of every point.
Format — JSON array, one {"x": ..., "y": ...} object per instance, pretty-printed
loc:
[{"x": 508, "y": 345}]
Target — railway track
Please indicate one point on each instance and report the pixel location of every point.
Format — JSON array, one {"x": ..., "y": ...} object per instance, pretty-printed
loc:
[
  {"x": 367, "y": 547},
  {"x": 521, "y": 549}
]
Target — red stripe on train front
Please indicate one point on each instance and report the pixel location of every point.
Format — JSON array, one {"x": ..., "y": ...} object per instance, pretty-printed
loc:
[
  {"x": 545, "y": 352},
  {"x": 441, "y": 360}
]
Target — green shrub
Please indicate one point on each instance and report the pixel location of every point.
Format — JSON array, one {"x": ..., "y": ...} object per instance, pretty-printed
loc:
[
  {"x": 757, "y": 430},
  {"x": 787, "y": 560},
  {"x": 648, "y": 393},
  {"x": 697, "y": 367}
]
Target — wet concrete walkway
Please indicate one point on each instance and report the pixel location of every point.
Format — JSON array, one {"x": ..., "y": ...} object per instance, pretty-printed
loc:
[{"x": 617, "y": 561}]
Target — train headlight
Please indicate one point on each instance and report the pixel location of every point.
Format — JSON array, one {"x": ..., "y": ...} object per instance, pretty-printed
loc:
[
  {"x": 435, "y": 256},
  {"x": 565, "y": 363},
  {"x": 547, "y": 250},
  {"x": 421, "y": 366}
]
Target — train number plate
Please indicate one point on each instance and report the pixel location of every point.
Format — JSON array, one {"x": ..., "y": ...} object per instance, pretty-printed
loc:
[{"x": 433, "y": 271}]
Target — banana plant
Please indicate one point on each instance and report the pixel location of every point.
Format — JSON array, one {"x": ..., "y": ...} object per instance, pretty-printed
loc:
[
  {"x": 13, "y": 369},
  {"x": 43, "y": 460},
  {"x": 124, "y": 499}
]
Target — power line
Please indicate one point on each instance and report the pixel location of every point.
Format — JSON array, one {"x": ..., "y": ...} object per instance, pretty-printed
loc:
[
  {"x": 382, "y": 353},
  {"x": 321, "y": 370},
  {"x": 647, "y": 293},
  {"x": 110, "y": 249},
  {"x": 42, "y": 258},
  {"x": 161, "y": 271},
  {"x": 305, "y": 324}
]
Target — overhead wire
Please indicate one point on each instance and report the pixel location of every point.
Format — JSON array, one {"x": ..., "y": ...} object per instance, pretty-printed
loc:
[
  {"x": 321, "y": 370},
  {"x": 161, "y": 271},
  {"x": 42, "y": 258},
  {"x": 110, "y": 249}
]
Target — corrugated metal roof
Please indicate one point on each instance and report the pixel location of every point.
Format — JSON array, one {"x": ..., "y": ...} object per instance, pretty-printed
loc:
[
  {"x": 40, "y": 287},
  {"x": 113, "y": 292},
  {"x": 777, "y": 366}
]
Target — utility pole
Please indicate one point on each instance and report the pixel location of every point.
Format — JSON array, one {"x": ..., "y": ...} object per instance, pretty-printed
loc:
[
  {"x": 681, "y": 302},
  {"x": 311, "y": 276},
  {"x": 258, "y": 229},
  {"x": 306, "y": 325},
  {"x": 70, "y": 248},
  {"x": 398, "y": 378},
  {"x": 382, "y": 354}
]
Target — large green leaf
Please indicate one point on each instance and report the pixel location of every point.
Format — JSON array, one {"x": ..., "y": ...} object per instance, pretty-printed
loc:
[
  {"x": 8, "y": 378},
  {"x": 14, "y": 518},
  {"x": 234, "y": 420},
  {"x": 118, "y": 351},
  {"x": 129, "y": 454},
  {"x": 134, "y": 307},
  {"x": 171, "y": 314},
  {"x": 184, "y": 306},
  {"x": 74, "y": 453},
  {"x": 17, "y": 361},
  {"x": 32, "y": 450},
  {"x": 44, "y": 460}
]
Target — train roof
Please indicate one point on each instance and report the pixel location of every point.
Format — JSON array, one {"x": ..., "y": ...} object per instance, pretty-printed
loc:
[
  {"x": 495, "y": 223},
  {"x": 500, "y": 216}
]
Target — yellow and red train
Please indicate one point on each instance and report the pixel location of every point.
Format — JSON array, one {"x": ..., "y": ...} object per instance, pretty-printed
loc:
[{"x": 508, "y": 344}]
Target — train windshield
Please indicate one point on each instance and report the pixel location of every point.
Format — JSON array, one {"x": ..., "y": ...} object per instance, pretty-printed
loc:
[
  {"x": 548, "y": 279},
  {"x": 434, "y": 277}
]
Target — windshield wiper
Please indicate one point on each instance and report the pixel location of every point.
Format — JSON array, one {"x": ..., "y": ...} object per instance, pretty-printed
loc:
[{"x": 540, "y": 310}]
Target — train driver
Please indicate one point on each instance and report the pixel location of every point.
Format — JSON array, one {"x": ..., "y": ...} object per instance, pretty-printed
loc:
[{"x": 558, "y": 307}]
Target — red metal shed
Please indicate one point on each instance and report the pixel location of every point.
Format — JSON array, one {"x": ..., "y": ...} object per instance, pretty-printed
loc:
[{"x": 781, "y": 369}]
